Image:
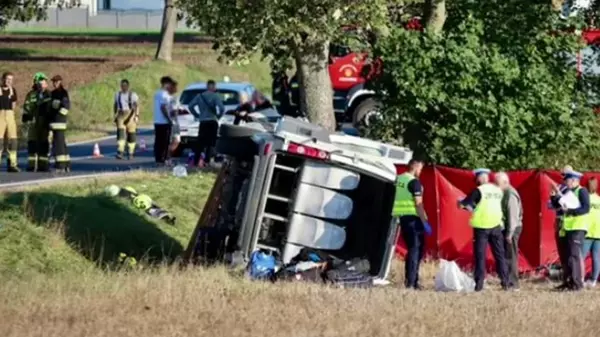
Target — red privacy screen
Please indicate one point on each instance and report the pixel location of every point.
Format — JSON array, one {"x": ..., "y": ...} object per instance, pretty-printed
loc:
[{"x": 452, "y": 235}]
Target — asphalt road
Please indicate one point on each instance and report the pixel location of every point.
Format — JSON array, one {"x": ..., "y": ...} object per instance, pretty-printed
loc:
[{"x": 83, "y": 162}]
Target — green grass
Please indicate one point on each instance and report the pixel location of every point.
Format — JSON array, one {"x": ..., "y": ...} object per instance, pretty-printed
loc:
[
  {"x": 92, "y": 103},
  {"x": 75, "y": 227}
]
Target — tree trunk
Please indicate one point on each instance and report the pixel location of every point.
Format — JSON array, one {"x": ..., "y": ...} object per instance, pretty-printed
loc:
[
  {"x": 435, "y": 15},
  {"x": 167, "y": 32},
  {"x": 316, "y": 93}
]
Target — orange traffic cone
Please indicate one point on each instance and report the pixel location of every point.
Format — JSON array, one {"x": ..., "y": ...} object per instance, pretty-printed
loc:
[
  {"x": 142, "y": 145},
  {"x": 96, "y": 153}
]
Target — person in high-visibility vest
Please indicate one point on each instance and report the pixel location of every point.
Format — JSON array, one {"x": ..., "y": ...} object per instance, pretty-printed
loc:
[
  {"x": 408, "y": 207},
  {"x": 485, "y": 201},
  {"x": 575, "y": 226},
  {"x": 592, "y": 240},
  {"x": 559, "y": 234}
]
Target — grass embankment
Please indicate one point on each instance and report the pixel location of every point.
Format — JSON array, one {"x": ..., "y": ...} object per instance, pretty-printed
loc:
[
  {"x": 74, "y": 226},
  {"x": 92, "y": 103},
  {"x": 51, "y": 284}
]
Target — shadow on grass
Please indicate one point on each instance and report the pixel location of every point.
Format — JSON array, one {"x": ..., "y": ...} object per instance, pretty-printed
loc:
[
  {"x": 99, "y": 227},
  {"x": 24, "y": 55}
]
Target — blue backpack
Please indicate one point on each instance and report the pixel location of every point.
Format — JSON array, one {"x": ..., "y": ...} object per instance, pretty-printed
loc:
[{"x": 261, "y": 266}]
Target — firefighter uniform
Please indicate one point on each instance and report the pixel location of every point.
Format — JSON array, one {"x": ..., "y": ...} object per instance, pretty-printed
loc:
[
  {"x": 8, "y": 126},
  {"x": 281, "y": 94},
  {"x": 486, "y": 202},
  {"x": 59, "y": 110},
  {"x": 412, "y": 228},
  {"x": 35, "y": 112},
  {"x": 294, "y": 88},
  {"x": 126, "y": 121}
]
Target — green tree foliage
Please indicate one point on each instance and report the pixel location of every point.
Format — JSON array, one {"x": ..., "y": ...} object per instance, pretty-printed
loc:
[
  {"x": 494, "y": 88},
  {"x": 291, "y": 30},
  {"x": 26, "y": 10}
]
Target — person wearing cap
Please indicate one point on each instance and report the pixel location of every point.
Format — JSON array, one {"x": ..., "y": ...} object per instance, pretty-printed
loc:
[
  {"x": 559, "y": 234},
  {"x": 485, "y": 201},
  {"x": 8, "y": 126},
  {"x": 409, "y": 209},
  {"x": 36, "y": 111},
  {"x": 58, "y": 124},
  {"x": 126, "y": 112},
  {"x": 575, "y": 226}
]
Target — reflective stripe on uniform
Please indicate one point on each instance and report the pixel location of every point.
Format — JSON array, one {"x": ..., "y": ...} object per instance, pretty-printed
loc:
[
  {"x": 56, "y": 104},
  {"x": 276, "y": 103},
  {"x": 63, "y": 158},
  {"x": 488, "y": 212},
  {"x": 576, "y": 222},
  {"x": 294, "y": 85},
  {"x": 63, "y": 111},
  {"x": 404, "y": 202},
  {"x": 58, "y": 126}
]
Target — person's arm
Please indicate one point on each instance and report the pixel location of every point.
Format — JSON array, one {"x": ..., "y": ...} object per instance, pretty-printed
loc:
[
  {"x": 416, "y": 189},
  {"x": 193, "y": 106},
  {"x": 220, "y": 108},
  {"x": 584, "y": 207},
  {"x": 116, "y": 105},
  {"x": 512, "y": 214},
  {"x": 471, "y": 200},
  {"x": 134, "y": 104},
  {"x": 14, "y": 99},
  {"x": 65, "y": 104},
  {"x": 164, "y": 107}
]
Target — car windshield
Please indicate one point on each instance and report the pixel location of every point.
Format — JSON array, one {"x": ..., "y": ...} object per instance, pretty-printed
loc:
[{"x": 229, "y": 97}]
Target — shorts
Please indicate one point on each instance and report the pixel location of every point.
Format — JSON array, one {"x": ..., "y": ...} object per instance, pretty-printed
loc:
[{"x": 175, "y": 133}]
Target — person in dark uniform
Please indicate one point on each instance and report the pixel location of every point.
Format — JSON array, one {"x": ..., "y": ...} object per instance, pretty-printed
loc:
[
  {"x": 485, "y": 202},
  {"x": 559, "y": 233},
  {"x": 58, "y": 124},
  {"x": 408, "y": 206},
  {"x": 281, "y": 94},
  {"x": 575, "y": 225},
  {"x": 257, "y": 103},
  {"x": 295, "y": 96},
  {"x": 36, "y": 110}
]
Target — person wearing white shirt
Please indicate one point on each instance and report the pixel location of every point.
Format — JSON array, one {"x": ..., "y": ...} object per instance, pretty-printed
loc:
[{"x": 162, "y": 119}]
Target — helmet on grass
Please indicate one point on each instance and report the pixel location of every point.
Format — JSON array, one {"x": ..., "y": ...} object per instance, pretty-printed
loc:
[{"x": 142, "y": 201}]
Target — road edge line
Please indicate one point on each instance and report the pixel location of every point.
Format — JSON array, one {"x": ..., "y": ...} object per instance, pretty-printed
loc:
[{"x": 16, "y": 186}]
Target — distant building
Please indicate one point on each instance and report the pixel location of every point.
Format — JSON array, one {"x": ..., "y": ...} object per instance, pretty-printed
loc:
[{"x": 126, "y": 5}]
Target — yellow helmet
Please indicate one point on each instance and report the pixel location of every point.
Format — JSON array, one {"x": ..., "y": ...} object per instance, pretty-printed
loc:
[{"x": 142, "y": 201}]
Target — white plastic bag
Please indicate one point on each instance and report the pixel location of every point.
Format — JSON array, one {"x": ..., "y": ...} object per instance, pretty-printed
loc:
[{"x": 450, "y": 278}]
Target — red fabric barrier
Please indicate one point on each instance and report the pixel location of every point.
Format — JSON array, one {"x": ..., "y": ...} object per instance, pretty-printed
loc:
[{"x": 452, "y": 234}]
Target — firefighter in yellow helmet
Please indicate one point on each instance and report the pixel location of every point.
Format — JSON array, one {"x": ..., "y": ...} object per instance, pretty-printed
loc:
[
  {"x": 58, "y": 124},
  {"x": 36, "y": 110}
]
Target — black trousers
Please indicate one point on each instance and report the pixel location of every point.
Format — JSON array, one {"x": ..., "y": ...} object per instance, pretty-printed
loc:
[
  {"x": 60, "y": 149},
  {"x": 481, "y": 238},
  {"x": 574, "y": 241},
  {"x": 162, "y": 138},
  {"x": 38, "y": 147},
  {"x": 562, "y": 247},
  {"x": 412, "y": 231},
  {"x": 207, "y": 138},
  {"x": 511, "y": 250}
]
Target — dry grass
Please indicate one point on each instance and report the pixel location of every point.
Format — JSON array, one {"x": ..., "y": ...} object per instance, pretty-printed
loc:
[
  {"x": 50, "y": 287},
  {"x": 211, "y": 302}
]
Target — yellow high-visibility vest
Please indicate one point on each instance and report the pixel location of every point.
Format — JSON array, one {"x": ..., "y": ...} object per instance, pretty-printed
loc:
[
  {"x": 488, "y": 212},
  {"x": 576, "y": 222},
  {"x": 404, "y": 203}
]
